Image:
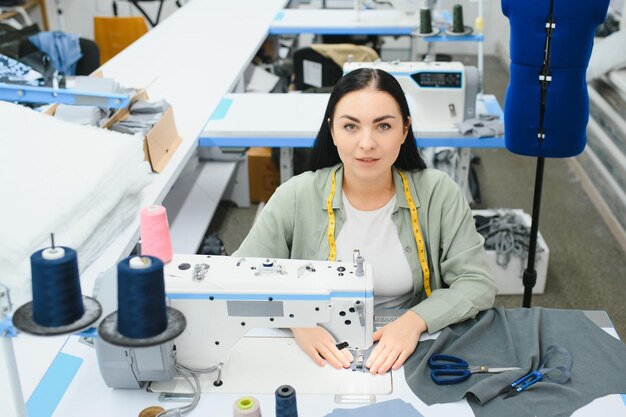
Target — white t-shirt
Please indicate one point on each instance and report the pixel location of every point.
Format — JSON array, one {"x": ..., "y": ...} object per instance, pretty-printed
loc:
[{"x": 375, "y": 235}]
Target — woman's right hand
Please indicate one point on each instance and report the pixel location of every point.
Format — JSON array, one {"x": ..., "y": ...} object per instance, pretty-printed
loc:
[{"x": 320, "y": 346}]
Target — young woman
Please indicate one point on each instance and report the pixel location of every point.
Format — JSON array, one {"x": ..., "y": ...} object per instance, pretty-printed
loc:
[{"x": 367, "y": 188}]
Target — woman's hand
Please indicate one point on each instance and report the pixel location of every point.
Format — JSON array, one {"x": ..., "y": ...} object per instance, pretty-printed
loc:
[
  {"x": 319, "y": 345},
  {"x": 396, "y": 341}
]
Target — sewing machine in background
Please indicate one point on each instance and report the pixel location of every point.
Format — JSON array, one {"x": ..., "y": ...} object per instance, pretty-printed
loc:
[
  {"x": 227, "y": 301},
  {"x": 440, "y": 94}
]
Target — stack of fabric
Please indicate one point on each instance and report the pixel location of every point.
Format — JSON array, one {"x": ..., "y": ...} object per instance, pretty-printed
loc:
[{"x": 82, "y": 183}]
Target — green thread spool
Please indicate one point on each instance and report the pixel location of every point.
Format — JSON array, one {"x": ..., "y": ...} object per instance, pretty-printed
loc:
[
  {"x": 246, "y": 407},
  {"x": 425, "y": 21},
  {"x": 457, "y": 19}
]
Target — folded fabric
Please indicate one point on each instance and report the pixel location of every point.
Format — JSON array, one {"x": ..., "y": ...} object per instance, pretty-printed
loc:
[
  {"x": 395, "y": 407},
  {"x": 147, "y": 107},
  {"x": 99, "y": 85},
  {"x": 63, "y": 178},
  {"x": 518, "y": 337},
  {"x": 81, "y": 115},
  {"x": 143, "y": 116}
]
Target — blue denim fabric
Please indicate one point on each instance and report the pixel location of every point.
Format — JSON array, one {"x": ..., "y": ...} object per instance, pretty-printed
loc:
[{"x": 62, "y": 48}]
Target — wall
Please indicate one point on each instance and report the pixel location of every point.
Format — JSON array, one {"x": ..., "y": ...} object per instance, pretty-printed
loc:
[
  {"x": 78, "y": 14},
  {"x": 78, "y": 18},
  {"x": 501, "y": 34}
]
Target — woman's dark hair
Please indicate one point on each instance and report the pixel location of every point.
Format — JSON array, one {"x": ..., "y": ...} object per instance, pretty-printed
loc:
[{"x": 324, "y": 153}]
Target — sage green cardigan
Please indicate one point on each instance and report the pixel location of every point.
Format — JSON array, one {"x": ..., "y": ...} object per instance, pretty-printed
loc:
[{"x": 294, "y": 224}]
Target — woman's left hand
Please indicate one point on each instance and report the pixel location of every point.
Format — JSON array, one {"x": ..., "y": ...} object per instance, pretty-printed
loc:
[{"x": 396, "y": 341}]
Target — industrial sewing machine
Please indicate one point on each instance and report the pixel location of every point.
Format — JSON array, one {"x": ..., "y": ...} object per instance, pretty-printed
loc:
[
  {"x": 223, "y": 298},
  {"x": 440, "y": 94}
]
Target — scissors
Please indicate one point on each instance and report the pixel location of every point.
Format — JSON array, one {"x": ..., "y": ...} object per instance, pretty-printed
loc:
[
  {"x": 448, "y": 369},
  {"x": 526, "y": 381}
]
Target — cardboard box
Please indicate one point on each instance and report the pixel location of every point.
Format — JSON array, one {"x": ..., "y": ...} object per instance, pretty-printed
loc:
[
  {"x": 161, "y": 141},
  {"x": 508, "y": 278},
  {"x": 263, "y": 174}
]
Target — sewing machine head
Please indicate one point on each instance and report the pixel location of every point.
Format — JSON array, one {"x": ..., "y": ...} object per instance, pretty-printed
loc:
[
  {"x": 440, "y": 94},
  {"x": 224, "y": 297}
]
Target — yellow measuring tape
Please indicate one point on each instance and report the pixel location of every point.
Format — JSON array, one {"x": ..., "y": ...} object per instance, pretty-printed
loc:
[{"x": 419, "y": 240}]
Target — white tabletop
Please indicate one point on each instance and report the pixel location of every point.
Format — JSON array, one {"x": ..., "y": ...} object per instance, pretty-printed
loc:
[
  {"x": 343, "y": 21},
  {"x": 293, "y": 120},
  {"x": 75, "y": 375}
]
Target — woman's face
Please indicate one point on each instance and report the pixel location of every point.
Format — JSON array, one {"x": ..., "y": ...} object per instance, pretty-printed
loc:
[{"x": 368, "y": 130}]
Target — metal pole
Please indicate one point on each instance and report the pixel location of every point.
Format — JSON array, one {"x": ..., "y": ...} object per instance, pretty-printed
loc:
[
  {"x": 530, "y": 274},
  {"x": 11, "y": 398},
  {"x": 10, "y": 388}
]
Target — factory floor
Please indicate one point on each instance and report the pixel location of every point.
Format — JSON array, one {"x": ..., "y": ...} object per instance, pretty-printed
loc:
[{"x": 587, "y": 267}]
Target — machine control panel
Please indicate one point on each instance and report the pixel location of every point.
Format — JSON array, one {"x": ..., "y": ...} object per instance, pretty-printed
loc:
[{"x": 438, "y": 79}]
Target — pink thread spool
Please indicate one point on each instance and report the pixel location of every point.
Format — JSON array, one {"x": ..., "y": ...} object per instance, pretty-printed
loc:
[
  {"x": 246, "y": 407},
  {"x": 155, "y": 233}
]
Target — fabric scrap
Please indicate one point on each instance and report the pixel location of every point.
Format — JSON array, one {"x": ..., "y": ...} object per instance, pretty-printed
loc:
[
  {"x": 395, "y": 407},
  {"x": 518, "y": 337}
]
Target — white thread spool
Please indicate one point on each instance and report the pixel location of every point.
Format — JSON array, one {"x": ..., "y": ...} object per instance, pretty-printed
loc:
[
  {"x": 51, "y": 254},
  {"x": 139, "y": 262},
  {"x": 246, "y": 407}
]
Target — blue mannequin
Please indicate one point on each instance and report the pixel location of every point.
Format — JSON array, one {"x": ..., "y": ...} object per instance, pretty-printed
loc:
[{"x": 566, "y": 102}]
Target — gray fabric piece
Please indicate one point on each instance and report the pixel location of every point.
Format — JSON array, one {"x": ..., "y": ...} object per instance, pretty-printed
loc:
[
  {"x": 481, "y": 128},
  {"x": 143, "y": 116},
  {"x": 390, "y": 408},
  {"x": 518, "y": 337},
  {"x": 119, "y": 127},
  {"x": 146, "y": 107}
]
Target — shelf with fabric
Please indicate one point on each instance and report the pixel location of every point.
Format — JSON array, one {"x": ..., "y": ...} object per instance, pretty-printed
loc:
[{"x": 12, "y": 11}]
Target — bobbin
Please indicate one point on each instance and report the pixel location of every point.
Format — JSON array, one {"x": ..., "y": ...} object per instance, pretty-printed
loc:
[
  {"x": 176, "y": 324},
  {"x": 468, "y": 31},
  {"x": 23, "y": 319},
  {"x": 435, "y": 32}
]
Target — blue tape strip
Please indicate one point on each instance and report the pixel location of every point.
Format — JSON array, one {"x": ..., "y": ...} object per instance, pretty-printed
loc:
[
  {"x": 6, "y": 328},
  {"x": 46, "y": 397},
  {"x": 624, "y": 398},
  {"x": 222, "y": 109},
  {"x": 90, "y": 332},
  {"x": 279, "y": 16},
  {"x": 275, "y": 297}
]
